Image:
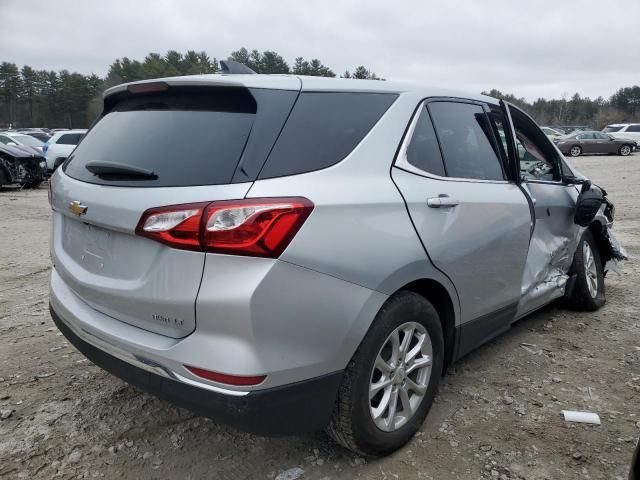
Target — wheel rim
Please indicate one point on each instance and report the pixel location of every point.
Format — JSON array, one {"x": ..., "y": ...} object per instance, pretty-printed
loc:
[
  {"x": 625, "y": 150},
  {"x": 590, "y": 270},
  {"x": 400, "y": 376},
  {"x": 575, "y": 151}
]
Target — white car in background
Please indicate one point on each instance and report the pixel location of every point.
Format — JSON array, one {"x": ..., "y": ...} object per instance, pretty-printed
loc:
[
  {"x": 624, "y": 130},
  {"x": 22, "y": 139},
  {"x": 60, "y": 146}
]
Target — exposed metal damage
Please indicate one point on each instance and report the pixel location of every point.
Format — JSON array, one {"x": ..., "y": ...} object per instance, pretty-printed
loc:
[
  {"x": 21, "y": 165},
  {"x": 548, "y": 268}
]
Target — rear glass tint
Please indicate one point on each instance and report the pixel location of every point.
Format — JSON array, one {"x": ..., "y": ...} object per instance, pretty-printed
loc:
[
  {"x": 423, "y": 151},
  {"x": 466, "y": 139},
  {"x": 70, "y": 139},
  {"x": 323, "y": 128},
  {"x": 187, "y": 136}
]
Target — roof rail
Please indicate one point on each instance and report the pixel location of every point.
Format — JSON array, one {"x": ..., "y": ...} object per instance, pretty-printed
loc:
[{"x": 233, "y": 67}]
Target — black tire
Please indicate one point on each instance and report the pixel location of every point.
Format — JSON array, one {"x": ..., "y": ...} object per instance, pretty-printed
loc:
[
  {"x": 581, "y": 298},
  {"x": 351, "y": 424},
  {"x": 575, "y": 151},
  {"x": 625, "y": 150}
]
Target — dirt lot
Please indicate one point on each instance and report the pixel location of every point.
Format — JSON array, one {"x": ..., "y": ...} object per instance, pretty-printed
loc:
[{"x": 497, "y": 414}]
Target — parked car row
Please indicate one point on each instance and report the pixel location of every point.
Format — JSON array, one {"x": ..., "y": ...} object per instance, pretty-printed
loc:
[
  {"x": 54, "y": 145},
  {"x": 21, "y": 165},
  {"x": 579, "y": 143},
  {"x": 616, "y": 139}
]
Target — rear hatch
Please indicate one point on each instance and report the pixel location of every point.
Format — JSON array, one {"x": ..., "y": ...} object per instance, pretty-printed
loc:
[{"x": 157, "y": 144}]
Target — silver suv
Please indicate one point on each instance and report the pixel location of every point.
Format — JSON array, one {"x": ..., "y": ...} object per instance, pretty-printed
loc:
[{"x": 288, "y": 253}]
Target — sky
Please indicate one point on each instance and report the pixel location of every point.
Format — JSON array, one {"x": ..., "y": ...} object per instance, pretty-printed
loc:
[{"x": 535, "y": 48}]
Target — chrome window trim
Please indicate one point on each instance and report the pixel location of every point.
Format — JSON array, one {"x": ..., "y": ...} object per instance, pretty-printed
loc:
[{"x": 403, "y": 163}]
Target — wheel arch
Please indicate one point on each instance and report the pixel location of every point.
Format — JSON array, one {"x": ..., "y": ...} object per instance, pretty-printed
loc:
[
  {"x": 597, "y": 229},
  {"x": 439, "y": 297}
]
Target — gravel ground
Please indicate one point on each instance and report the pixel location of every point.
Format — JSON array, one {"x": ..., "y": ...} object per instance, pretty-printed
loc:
[{"x": 497, "y": 414}]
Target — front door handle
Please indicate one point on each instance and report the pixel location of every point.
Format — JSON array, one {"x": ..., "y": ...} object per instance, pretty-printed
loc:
[{"x": 442, "y": 201}]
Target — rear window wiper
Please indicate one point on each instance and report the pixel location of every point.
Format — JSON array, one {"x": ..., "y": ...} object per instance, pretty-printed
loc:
[{"x": 115, "y": 168}]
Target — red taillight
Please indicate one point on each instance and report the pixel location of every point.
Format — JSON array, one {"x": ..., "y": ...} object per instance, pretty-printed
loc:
[
  {"x": 226, "y": 379},
  {"x": 253, "y": 227},
  {"x": 177, "y": 225}
]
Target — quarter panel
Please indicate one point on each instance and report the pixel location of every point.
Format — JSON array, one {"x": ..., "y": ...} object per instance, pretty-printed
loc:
[{"x": 359, "y": 230}]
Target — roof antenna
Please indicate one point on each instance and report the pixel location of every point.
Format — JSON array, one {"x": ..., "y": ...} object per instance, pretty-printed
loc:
[{"x": 233, "y": 67}]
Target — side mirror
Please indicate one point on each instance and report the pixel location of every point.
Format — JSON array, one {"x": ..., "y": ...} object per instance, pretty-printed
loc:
[
  {"x": 571, "y": 180},
  {"x": 587, "y": 205}
]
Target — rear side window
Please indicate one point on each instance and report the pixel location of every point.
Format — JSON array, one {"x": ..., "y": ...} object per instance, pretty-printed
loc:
[
  {"x": 423, "y": 151},
  {"x": 586, "y": 136},
  {"x": 633, "y": 128},
  {"x": 69, "y": 139},
  {"x": 468, "y": 143},
  {"x": 323, "y": 128},
  {"x": 186, "y": 136}
]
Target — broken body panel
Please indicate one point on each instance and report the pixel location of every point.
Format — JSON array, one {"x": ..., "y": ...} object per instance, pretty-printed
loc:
[{"x": 20, "y": 165}]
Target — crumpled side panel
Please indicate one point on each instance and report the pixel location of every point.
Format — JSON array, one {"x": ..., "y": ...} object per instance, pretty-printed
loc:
[{"x": 545, "y": 275}]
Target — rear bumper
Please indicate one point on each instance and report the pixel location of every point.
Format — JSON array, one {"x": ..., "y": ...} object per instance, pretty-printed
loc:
[{"x": 299, "y": 407}]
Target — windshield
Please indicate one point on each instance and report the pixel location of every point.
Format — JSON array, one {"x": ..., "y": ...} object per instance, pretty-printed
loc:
[
  {"x": 611, "y": 128},
  {"x": 27, "y": 140}
]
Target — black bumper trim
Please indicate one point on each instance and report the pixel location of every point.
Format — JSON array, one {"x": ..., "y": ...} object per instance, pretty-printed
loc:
[{"x": 287, "y": 410}]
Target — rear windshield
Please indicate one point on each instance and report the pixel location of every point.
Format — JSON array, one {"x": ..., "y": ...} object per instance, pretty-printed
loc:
[
  {"x": 27, "y": 140},
  {"x": 70, "y": 139},
  {"x": 610, "y": 128},
  {"x": 186, "y": 137},
  {"x": 323, "y": 128}
]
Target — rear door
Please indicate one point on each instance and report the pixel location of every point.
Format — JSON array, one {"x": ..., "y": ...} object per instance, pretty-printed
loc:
[
  {"x": 192, "y": 139},
  {"x": 604, "y": 143},
  {"x": 632, "y": 132},
  {"x": 473, "y": 221},
  {"x": 588, "y": 143}
]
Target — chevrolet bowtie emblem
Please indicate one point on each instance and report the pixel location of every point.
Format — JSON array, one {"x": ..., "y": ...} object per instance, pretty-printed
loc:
[{"x": 77, "y": 208}]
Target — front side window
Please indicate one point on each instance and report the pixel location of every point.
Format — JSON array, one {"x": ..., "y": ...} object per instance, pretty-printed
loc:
[
  {"x": 532, "y": 161},
  {"x": 585, "y": 136},
  {"x": 423, "y": 151},
  {"x": 466, "y": 137}
]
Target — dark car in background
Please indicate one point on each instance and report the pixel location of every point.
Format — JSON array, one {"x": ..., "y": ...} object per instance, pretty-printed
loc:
[
  {"x": 21, "y": 165},
  {"x": 42, "y": 136},
  {"x": 579, "y": 143}
]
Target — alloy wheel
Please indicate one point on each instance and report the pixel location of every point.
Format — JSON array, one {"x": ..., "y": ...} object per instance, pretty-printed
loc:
[
  {"x": 575, "y": 151},
  {"x": 400, "y": 376},
  {"x": 590, "y": 270},
  {"x": 625, "y": 150}
]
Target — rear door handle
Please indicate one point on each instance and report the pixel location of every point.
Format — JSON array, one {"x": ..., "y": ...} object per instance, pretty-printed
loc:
[{"x": 442, "y": 201}]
